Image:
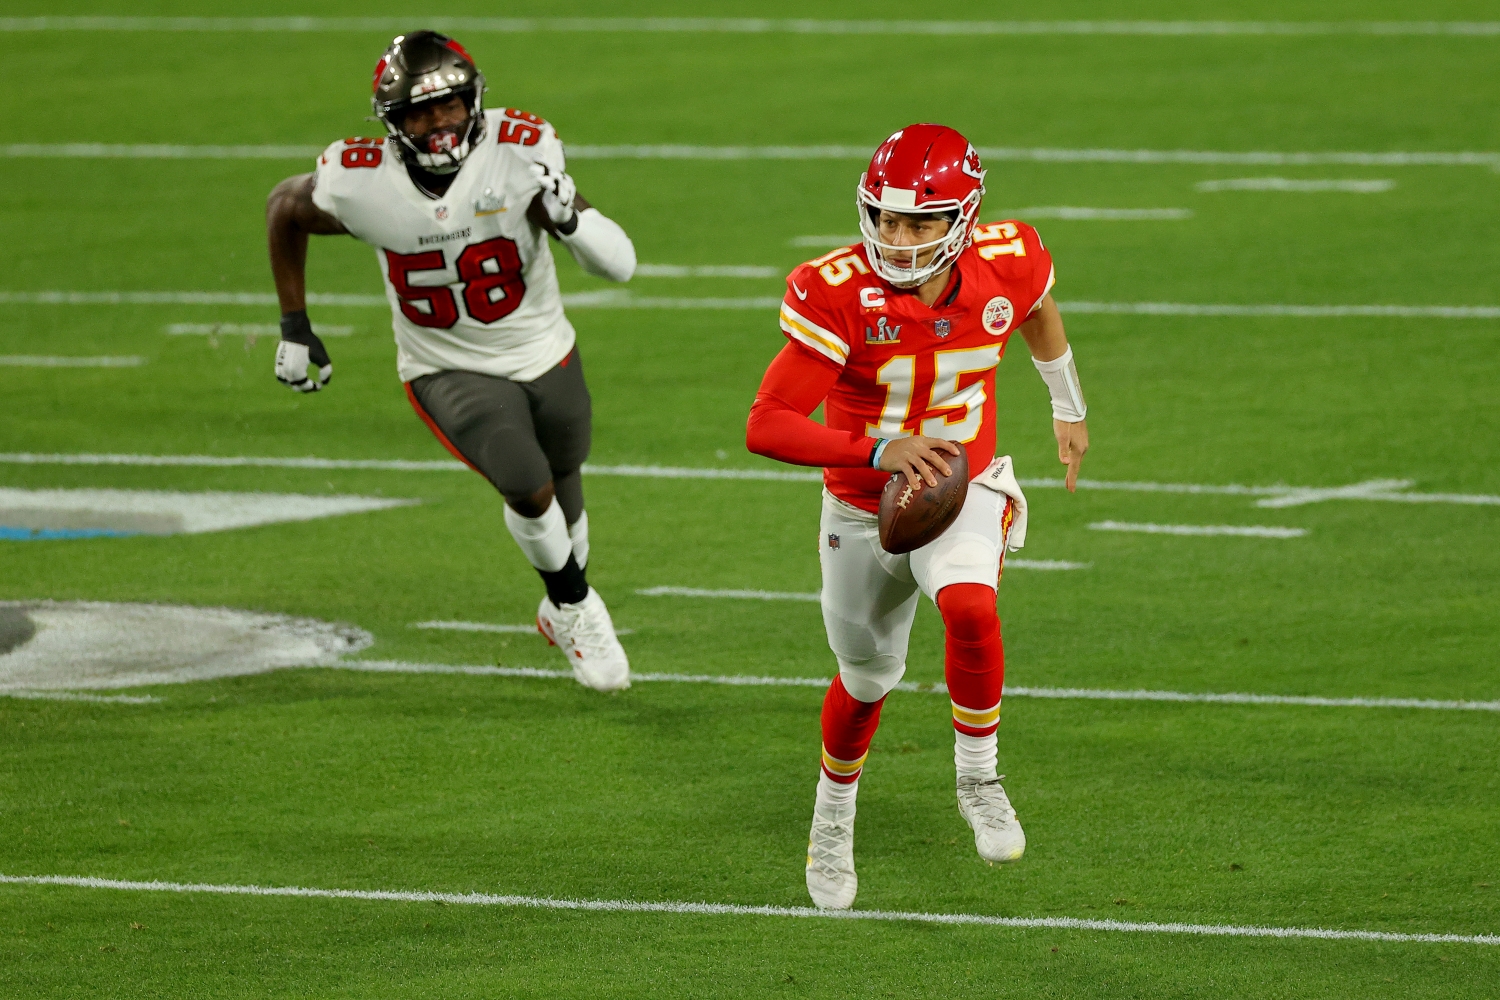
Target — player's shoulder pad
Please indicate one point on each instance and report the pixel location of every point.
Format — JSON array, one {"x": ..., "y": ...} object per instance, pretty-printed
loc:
[
  {"x": 1013, "y": 252},
  {"x": 354, "y": 153},
  {"x": 526, "y": 135},
  {"x": 1007, "y": 244},
  {"x": 834, "y": 277},
  {"x": 819, "y": 295}
]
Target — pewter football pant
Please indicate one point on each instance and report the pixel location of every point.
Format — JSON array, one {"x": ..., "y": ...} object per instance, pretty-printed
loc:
[
  {"x": 870, "y": 596},
  {"x": 518, "y": 435}
]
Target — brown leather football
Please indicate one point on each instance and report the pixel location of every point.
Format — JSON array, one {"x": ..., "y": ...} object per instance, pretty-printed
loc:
[{"x": 910, "y": 518}]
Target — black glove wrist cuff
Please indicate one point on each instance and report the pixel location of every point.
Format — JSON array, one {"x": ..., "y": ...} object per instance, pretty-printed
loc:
[
  {"x": 296, "y": 327},
  {"x": 568, "y": 228}
]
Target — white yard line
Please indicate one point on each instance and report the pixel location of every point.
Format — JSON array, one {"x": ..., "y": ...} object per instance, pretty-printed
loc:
[
  {"x": 619, "y": 299},
  {"x": 748, "y": 25},
  {"x": 1247, "y": 158},
  {"x": 1067, "y": 212},
  {"x": 738, "y": 910},
  {"x": 1083, "y": 694},
  {"x": 42, "y": 361},
  {"x": 116, "y": 699},
  {"x": 1275, "y": 496},
  {"x": 529, "y": 629},
  {"x": 1248, "y": 531},
  {"x": 248, "y": 330},
  {"x": 1289, "y": 184}
]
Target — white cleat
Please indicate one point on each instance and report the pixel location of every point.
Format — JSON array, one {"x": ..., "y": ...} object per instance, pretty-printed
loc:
[
  {"x": 986, "y": 808},
  {"x": 831, "y": 881},
  {"x": 586, "y": 636}
]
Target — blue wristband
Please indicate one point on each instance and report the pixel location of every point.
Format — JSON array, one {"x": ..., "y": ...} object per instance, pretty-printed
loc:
[{"x": 875, "y": 455}]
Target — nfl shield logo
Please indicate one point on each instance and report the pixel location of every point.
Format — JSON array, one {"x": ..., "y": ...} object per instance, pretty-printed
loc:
[
  {"x": 833, "y": 541},
  {"x": 441, "y": 212},
  {"x": 942, "y": 327}
]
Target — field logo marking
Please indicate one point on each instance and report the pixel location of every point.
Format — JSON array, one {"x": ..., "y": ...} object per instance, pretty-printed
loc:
[{"x": 736, "y": 910}]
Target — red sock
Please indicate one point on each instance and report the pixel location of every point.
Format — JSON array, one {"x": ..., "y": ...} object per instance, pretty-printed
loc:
[
  {"x": 974, "y": 664},
  {"x": 848, "y": 726}
]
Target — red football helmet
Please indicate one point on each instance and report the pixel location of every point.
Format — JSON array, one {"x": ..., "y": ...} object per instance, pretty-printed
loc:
[{"x": 921, "y": 170}]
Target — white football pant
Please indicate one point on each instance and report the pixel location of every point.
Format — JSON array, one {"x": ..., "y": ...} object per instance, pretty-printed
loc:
[{"x": 870, "y": 596}]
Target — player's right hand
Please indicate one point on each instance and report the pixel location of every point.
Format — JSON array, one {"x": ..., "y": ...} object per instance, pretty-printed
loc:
[
  {"x": 299, "y": 348},
  {"x": 917, "y": 457}
]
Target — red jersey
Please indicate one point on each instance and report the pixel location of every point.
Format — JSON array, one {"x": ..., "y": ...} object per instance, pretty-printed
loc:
[{"x": 907, "y": 368}]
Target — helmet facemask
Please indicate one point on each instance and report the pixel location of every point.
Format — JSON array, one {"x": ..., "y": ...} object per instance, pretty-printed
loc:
[
  {"x": 441, "y": 150},
  {"x": 418, "y": 70},
  {"x": 945, "y": 250}
]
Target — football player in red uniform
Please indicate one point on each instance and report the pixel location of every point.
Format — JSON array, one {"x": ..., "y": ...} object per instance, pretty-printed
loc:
[{"x": 898, "y": 339}]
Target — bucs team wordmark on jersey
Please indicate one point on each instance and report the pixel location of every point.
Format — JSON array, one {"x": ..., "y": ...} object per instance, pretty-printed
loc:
[
  {"x": 908, "y": 368},
  {"x": 471, "y": 282}
]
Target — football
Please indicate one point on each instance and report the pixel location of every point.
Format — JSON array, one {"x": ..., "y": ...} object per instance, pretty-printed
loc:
[{"x": 910, "y": 518}]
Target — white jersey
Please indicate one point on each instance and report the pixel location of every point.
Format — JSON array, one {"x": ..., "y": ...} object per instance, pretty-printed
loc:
[{"x": 471, "y": 281}]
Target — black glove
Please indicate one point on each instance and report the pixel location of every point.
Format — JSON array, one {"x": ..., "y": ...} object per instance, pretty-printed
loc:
[{"x": 300, "y": 346}]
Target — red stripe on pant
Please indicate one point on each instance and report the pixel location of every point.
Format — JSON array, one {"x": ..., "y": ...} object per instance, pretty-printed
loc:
[
  {"x": 848, "y": 726},
  {"x": 974, "y": 660},
  {"x": 437, "y": 431}
]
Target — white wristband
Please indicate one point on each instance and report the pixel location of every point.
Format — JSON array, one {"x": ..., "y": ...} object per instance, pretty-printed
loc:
[
  {"x": 875, "y": 455},
  {"x": 1061, "y": 376}
]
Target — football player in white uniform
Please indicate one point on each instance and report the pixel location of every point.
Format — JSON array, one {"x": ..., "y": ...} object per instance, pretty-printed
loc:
[{"x": 459, "y": 203}]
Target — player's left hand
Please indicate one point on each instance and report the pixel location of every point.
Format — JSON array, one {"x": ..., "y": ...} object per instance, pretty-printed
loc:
[
  {"x": 556, "y": 195},
  {"x": 1072, "y": 444},
  {"x": 300, "y": 347}
]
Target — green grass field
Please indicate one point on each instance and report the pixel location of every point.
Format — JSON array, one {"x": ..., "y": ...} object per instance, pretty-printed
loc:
[{"x": 1273, "y": 815}]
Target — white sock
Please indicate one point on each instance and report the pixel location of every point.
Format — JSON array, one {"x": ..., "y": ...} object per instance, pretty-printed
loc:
[
  {"x": 835, "y": 799},
  {"x": 578, "y": 534},
  {"x": 975, "y": 756},
  {"x": 543, "y": 540}
]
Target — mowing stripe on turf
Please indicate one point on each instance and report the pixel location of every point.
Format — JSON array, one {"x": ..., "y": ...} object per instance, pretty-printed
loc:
[
  {"x": 1071, "y": 694},
  {"x": 738, "y": 910},
  {"x": 1247, "y": 158},
  {"x": 1247, "y": 530},
  {"x": 48, "y": 361},
  {"x": 613, "y": 299},
  {"x": 754, "y": 25},
  {"x": 116, "y": 699},
  {"x": 1287, "y": 184},
  {"x": 1273, "y": 496}
]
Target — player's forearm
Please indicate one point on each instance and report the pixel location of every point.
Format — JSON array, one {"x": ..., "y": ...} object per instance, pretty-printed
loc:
[
  {"x": 1053, "y": 358},
  {"x": 1044, "y": 334},
  {"x": 287, "y": 242},
  {"x": 600, "y": 246},
  {"x": 781, "y": 433}
]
